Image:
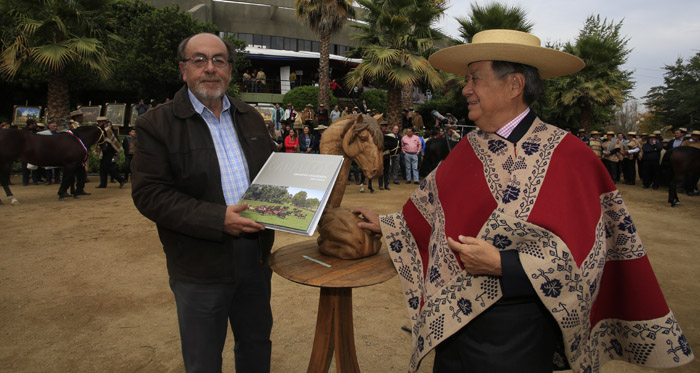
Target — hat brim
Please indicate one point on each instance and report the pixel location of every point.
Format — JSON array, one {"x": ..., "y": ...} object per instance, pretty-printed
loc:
[{"x": 549, "y": 62}]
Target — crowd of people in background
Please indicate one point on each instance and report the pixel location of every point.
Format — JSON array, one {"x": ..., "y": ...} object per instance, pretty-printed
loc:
[{"x": 645, "y": 156}]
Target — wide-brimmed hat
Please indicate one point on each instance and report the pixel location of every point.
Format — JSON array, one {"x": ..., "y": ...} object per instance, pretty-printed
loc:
[
  {"x": 610, "y": 133},
  {"x": 595, "y": 133},
  {"x": 101, "y": 118},
  {"x": 321, "y": 127},
  {"x": 75, "y": 113},
  {"x": 510, "y": 46},
  {"x": 695, "y": 132},
  {"x": 631, "y": 133},
  {"x": 683, "y": 129}
]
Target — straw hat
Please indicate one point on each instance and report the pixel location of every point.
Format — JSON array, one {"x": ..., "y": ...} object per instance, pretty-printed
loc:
[
  {"x": 101, "y": 118},
  {"x": 595, "y": 133},
  {"x": 610, "y": 133},
  {"x": 507, "y": 45},
  {"x": 75, "y": 113},
  {"x": 631, "y": 133},
  {"x": 321, "y": 127},
  {"x": 695, "y": 132}
]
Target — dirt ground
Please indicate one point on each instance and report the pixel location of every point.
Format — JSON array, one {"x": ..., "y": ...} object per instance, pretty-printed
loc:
[{"x": 84, "y": 288}]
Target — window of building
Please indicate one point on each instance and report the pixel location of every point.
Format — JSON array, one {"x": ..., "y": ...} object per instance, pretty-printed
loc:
[
  {"x": 277, "y": 42},
  {"x": 290, "y": 44},
  {"x": 306, "y": 45},
  {"x": 315, "y": 46}
]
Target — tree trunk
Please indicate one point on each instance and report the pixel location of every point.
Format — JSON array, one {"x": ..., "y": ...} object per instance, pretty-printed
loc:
[
  {"x": 393, "y": 106},
  {"x": 586, "y": 117},
  {"x": 324, "y": 66},
  {"x": 407, "y": 96},
  {"x": 58, "y": 99}
]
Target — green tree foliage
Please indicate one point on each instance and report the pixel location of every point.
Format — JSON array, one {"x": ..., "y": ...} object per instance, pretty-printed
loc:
[
  {"x": 299, "y": 199},
  {"x": 268, "y": 193},
  {"x": 147, "y": 61},
  {"x": 677, "y": 102},
  {"x": 50, "y": 37},
  {"x": 299, "y": 97},
  {"x": 492, "y": 16},
  {"x": 395, "y": 36},
  {"x": 326, "y": 17},
  {"x": 376, "y": 99},
  {"x": 589, "y": 98}
]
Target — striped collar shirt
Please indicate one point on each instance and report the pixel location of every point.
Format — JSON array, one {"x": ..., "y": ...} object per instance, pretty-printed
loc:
[
  {"x": 232, "y": 162},
  {"x": 506, "y": 130}
]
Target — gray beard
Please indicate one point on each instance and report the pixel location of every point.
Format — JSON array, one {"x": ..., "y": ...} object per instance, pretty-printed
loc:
[{"x": 202, "y": 94}]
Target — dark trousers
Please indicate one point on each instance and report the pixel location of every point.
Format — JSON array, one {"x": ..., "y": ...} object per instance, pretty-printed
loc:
[
  {"x": 127, "y": 166},
  {"x": 384, "y": 178},
  {"x": 613, "y": 169},
  {"x": 650, "y": 172},
  {"x": 107, "y": 167},
  {"x": 204, "y": 312},
  {"x": 629, "y": 171},
  {"x": 73, "y": 179},
  {"x": 505, "y": 338}
]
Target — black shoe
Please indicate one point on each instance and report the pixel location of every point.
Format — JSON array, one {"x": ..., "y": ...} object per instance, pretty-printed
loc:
[
  {"x": 121, "y": 184},
  {"x": 645, "y": 187},
  {"x": 381, "y": 188},
  {"x": 83, "y": 193},
  {"x": 396, "y": 182},
  {"x": 62, "y": 196},
  {"x": 415, "y": 182},
  {"x": 386, "y": 188},
  {"x": 76, "y": 196},
  {"x": 408, "y": 181},
  {"x": 371, "y": 191},
  {"x": 87, "y": 180},
  {"x": 100, "y": 187}
]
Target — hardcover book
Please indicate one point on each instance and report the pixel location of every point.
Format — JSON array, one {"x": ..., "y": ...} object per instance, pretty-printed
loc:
[{"x": 291, "y": 191}]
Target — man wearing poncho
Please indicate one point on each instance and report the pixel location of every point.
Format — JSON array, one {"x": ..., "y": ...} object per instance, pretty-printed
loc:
[{"x": 518, "y": 253}]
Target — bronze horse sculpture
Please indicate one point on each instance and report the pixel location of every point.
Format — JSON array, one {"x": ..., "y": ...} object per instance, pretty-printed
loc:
[
  {"x": 356, "y": 137},
  {"x": 65, "y": 149},
  {"x": 685, "y": 163}
]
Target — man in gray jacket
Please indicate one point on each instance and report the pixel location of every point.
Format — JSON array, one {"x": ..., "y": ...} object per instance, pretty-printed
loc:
[{"x": 195, "y": 157}]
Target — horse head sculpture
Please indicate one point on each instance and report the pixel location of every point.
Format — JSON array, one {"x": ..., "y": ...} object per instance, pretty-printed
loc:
[{"x": 357, "y": 138}]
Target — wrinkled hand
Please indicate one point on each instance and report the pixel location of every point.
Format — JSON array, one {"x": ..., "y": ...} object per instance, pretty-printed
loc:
[
  {"x": 371, "y": 219},
  {"x": 235, "y": 224},
  {"x": 478, "y": 256}
]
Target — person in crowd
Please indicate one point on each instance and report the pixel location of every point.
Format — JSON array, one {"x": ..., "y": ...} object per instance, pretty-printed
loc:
[
  {"x": 247, "y": 81},
  {"x": 345, "y": 112},
  {"x": 334, "y": 86},
  {"x": 505, "y": 262},
  {"x": 335, "y": 114},
  {"x": 308, "y": 143},
  {"x": 630, "y": 152},
  {"x": 129, "y": 146},
  {"x": 411, "y": 147},
  {"x": 322, "y": 115},
  {"x": 678, "y": 138},
  {"x": 260, "y": 81},
  {"x": 694, "y": 140},
  {"x": 453, "y": 134},
  {"x": 195, "y": 157},
  {"x": 53, "y": 173},
  {"x": 108, "y": 152},
  {"x": 308, "y": 116},
  {"x": 291, "y": 142},
  {"x": 651, "y": 156},
  {"x": 292, "y": 79},
  {"x": 612, "y": 149},
  {"x": 396, "y": 155},
  {"x": 363, "y": 107},
  {"x": 391, "y": 148},
  {"x": 582, "y": 135},
  {"x": 290, "y": 115},
  {"x": 596, "y": 144},
  {"x": 141, "y": 107},
  {"x": 277, "y": 117}
]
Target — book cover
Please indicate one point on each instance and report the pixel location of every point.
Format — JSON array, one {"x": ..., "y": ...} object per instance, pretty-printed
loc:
[{"x": 291, "y": 191}]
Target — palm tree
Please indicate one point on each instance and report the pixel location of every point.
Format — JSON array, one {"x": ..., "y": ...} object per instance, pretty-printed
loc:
[
  {"x": 393, "y": 39},
  {"x": 51, "y": 36},
  {"x": 601, "y": 84},
  {"x": 493, "y": 16},
  {"x": 325, "y": 17}
]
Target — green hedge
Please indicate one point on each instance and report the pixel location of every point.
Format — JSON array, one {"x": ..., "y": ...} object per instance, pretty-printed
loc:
[{"x": 301, "y": 96}]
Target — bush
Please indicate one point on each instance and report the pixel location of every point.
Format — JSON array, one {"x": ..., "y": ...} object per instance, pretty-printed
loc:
[
  {"x": 376, "y": 99},
  {"x": 301, "y": 96}
]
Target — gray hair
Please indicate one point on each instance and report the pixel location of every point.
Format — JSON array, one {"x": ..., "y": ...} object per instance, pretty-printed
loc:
[{"x": 533, "y": 83}]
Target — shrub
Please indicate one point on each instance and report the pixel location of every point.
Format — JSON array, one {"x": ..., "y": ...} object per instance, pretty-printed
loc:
[
  {"x": 376, "y": 99},
  {"x": 301, "y": 96}
]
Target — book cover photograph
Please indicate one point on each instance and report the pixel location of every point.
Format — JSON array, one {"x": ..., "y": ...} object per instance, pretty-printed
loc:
[{"x": 291, "y": 191}]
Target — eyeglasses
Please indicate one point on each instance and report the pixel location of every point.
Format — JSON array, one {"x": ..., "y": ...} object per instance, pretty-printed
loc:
[{"x": 201, "y": 61}]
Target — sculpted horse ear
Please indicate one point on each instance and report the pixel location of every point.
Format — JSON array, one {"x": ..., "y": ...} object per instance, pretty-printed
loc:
[{"x": 349, "y": 133}]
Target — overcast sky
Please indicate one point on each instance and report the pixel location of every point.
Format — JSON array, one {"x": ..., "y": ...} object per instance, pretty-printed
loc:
[{"x": 659, "y": 32}]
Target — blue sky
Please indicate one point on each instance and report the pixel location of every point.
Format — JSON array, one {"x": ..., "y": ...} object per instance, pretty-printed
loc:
[{"x": 659, "y": 32}]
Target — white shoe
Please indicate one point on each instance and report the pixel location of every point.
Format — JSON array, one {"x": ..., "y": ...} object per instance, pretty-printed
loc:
[{"x": 362, "y": 189}]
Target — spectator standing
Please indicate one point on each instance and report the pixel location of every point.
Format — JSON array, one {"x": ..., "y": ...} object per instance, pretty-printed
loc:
[
  {"x": 396, "y": 155},
  {"x": 141, "y": 108},
  {"x": 411, "y": 147},
  {"x": 596, "y": 144},
  {"x": 260, "y": 81},
  {"x": 322, "y": 115},
  {"x": 32, "y": 127},
  {"x": 108, "y": 152},
  {"x": 129, "y": 145},
  {"x": 277, "y": 117},
  {"x": 292, "y": 79},
  {"x": 630, "y": 151},
  {"x": 391, "y": 145},
  {"x": 308, "y": 116},
  {"x": 611, "y": 155},
  {"x": 335, "y": 114},
  {"x": 651, "y": 156},
  {"x": 290, "y": 115},
  {"x": 364, "y": 107}
]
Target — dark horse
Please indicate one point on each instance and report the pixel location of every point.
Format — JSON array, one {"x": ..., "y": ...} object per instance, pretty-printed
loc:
[
  {"x": 685, "y": 163},
  {"x": 64, "y": 149},
  {"x": 436, "y": 150}
]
